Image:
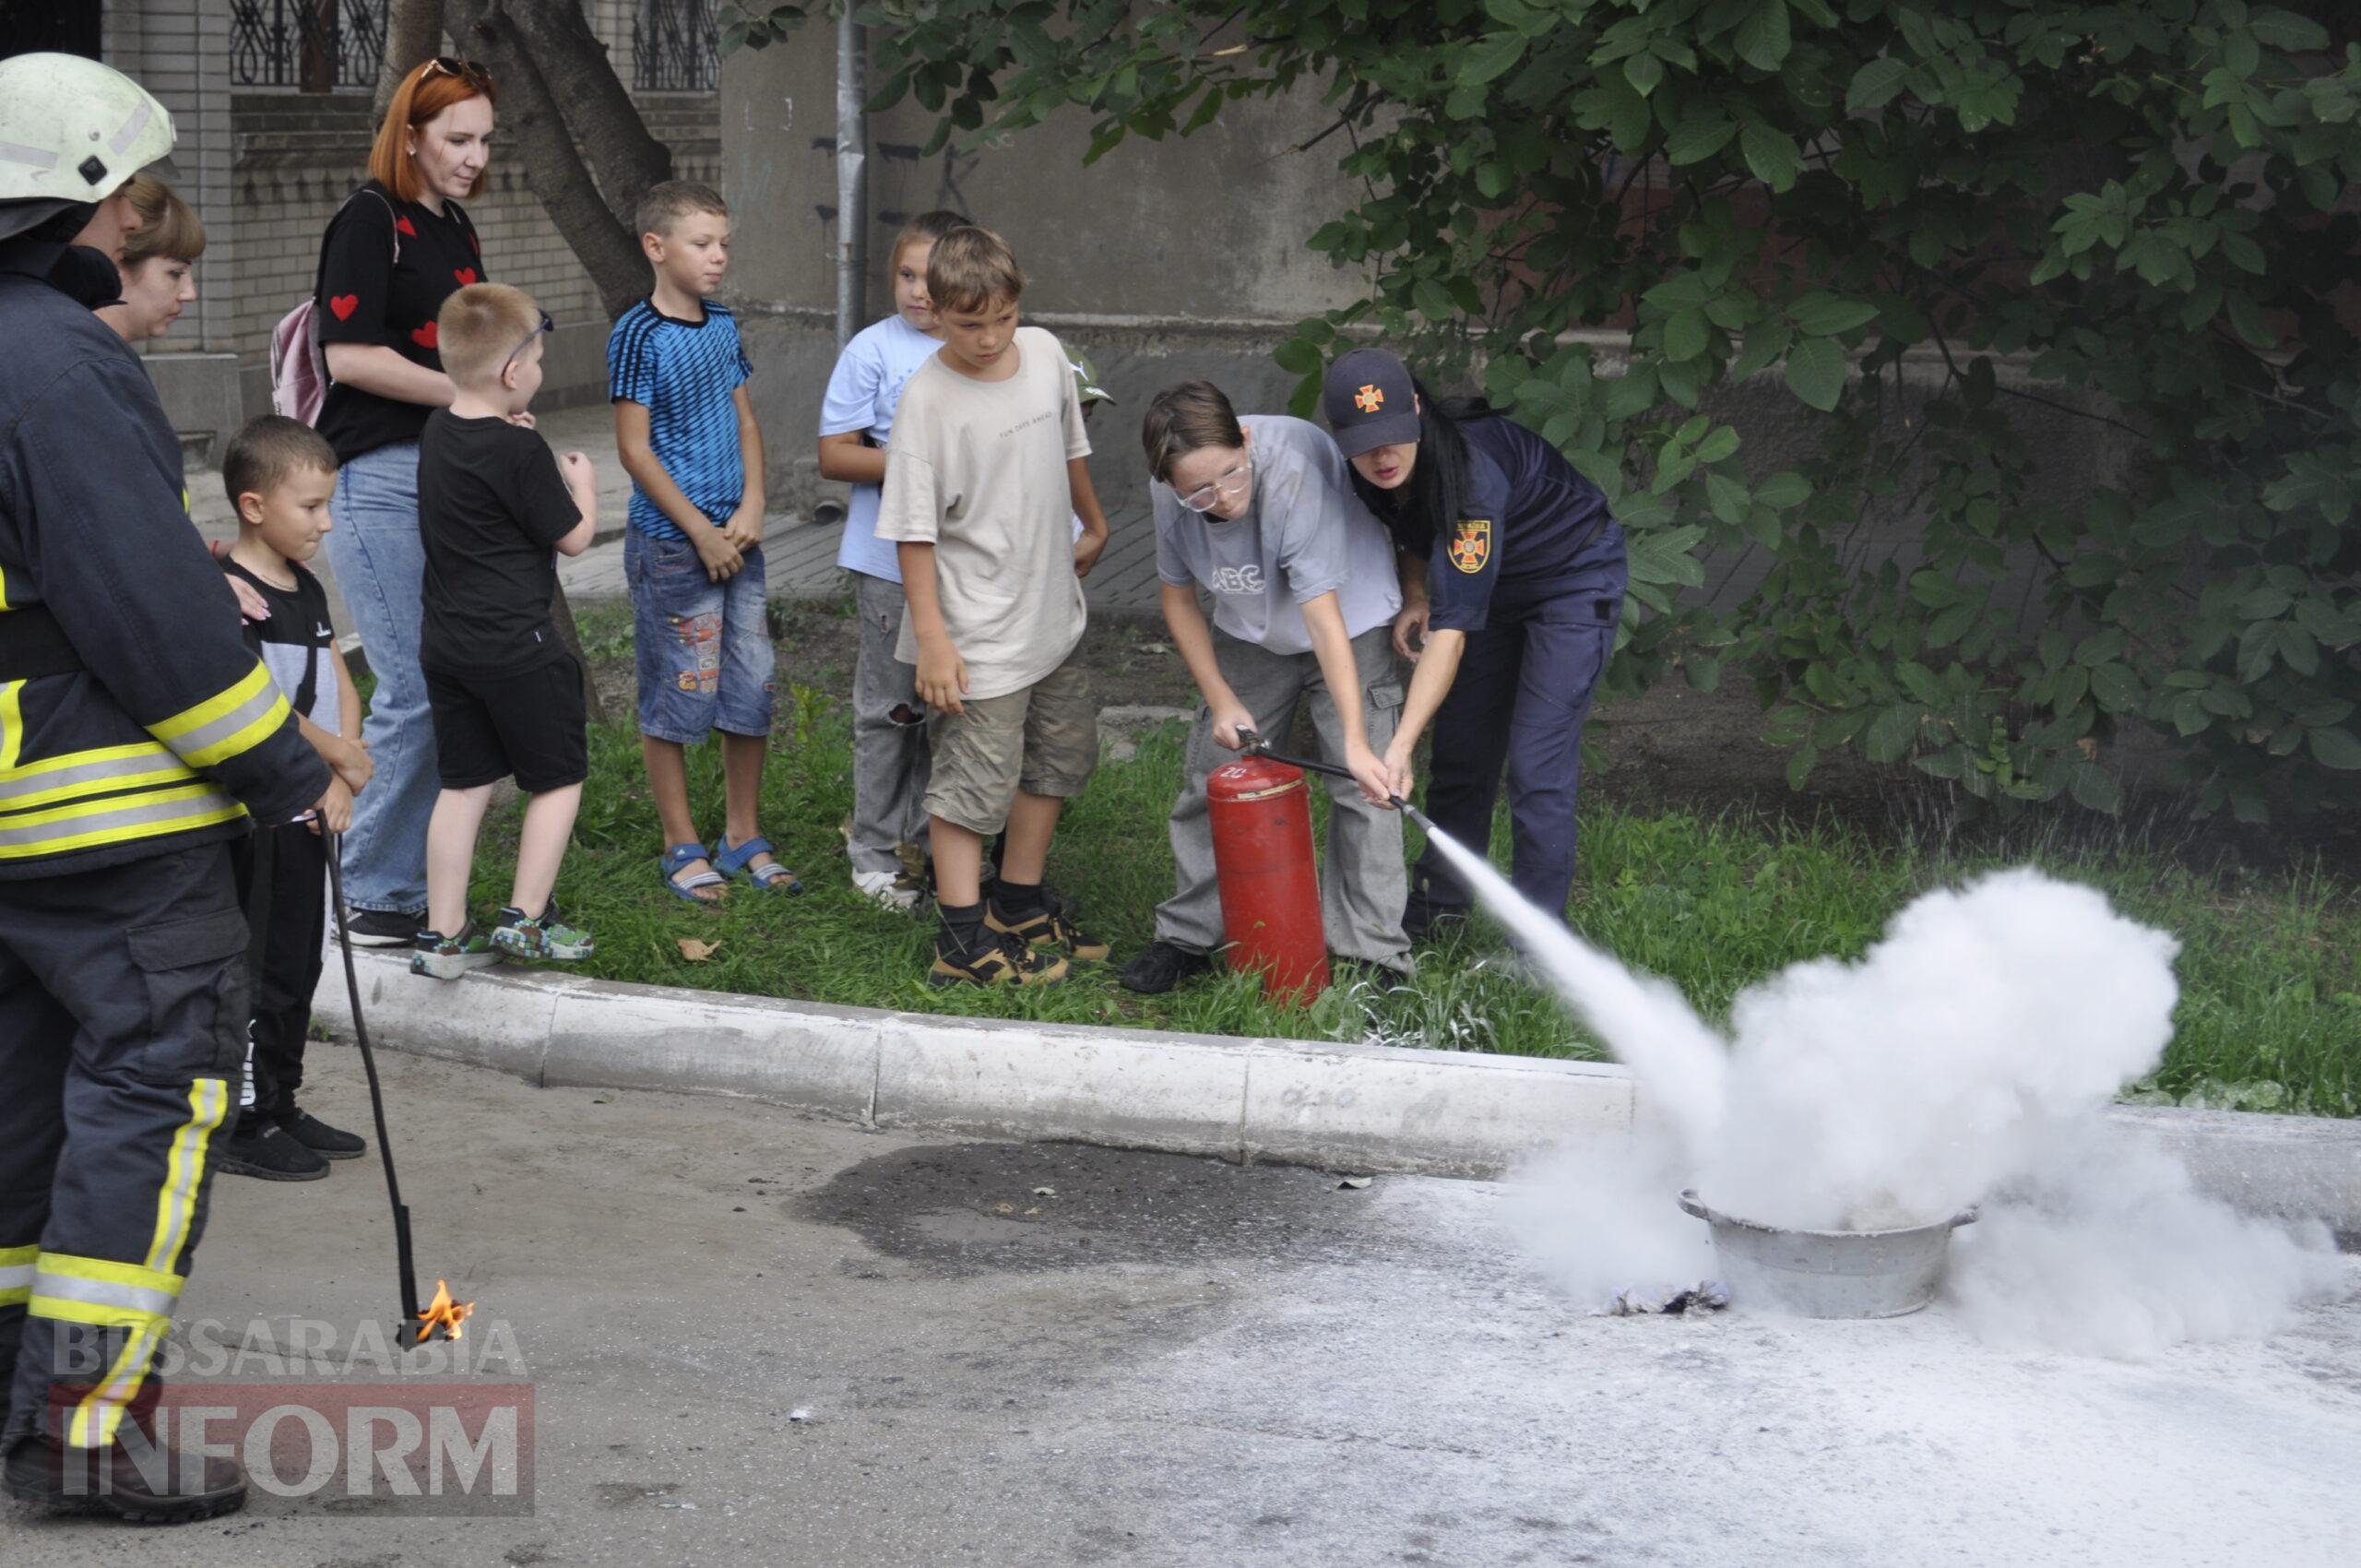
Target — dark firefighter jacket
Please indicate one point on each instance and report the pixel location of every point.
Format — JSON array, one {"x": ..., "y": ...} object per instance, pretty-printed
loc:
[{"x": 170, "y": 733}]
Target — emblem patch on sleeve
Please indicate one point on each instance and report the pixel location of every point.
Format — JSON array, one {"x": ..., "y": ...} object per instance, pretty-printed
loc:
[{"x": 1472, "y": 545}]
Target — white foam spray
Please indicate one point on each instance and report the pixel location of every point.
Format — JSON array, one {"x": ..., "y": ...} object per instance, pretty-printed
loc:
[{"x": 1961, "y": 1060}]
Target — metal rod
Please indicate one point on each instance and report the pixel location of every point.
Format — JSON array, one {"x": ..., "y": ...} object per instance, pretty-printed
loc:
[
  {"x": 852, "y": 175},
  {"x": 409, "y": 1324}
]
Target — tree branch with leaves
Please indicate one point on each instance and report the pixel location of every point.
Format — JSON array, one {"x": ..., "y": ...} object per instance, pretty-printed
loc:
[{"x": 1926, "y": 221}]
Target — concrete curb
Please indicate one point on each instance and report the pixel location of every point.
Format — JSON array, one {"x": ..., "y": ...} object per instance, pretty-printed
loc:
[{"x": 1350, "y": 1107}]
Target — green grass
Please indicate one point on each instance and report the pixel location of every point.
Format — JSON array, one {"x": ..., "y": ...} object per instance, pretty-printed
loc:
[{"x": 2271, "y": 968}]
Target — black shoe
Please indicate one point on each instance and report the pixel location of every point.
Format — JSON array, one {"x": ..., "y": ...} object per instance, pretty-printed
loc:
[
  {"x": 265, "y": 1149},
  {"x": 1422, "y": 921},
  {"x": 1345, "y": 973},
  {"x": 109, "y": 1481},
  {"x": 329, "y": 1143},
  {"x": 994, "y": 957},
  {"x": 383, "y": 928},
  {"x": 1161, "y": 965},
  {"x": 1048, "y": 928}
]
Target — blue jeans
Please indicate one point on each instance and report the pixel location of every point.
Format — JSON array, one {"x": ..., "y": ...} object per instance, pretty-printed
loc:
[
  {"x": 379, "y": 563},
  {"x": 704, "y": 649}
]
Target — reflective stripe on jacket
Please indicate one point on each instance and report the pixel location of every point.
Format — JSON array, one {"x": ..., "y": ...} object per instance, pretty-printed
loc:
[{"x": 172, "y": 732}]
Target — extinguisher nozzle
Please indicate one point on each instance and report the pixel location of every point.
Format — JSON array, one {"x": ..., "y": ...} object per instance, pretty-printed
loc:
[{"x": 1414, "y": 813}]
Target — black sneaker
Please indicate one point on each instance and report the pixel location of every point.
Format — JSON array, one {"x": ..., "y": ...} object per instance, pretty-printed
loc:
[
  {"x": 329, "y": 1143},
  {"x": 995, "y": 959},
  {"x": 265, "y": 1149},
  {"x": 1422, "y": 921},
  {"x": 383, "y": 928},
  {"x": 1345, "y": 973},
  {"x": 1161, "y": 966},
  {"x": 109, "y": 1481},
  {"x": 1050, "y": 926}
]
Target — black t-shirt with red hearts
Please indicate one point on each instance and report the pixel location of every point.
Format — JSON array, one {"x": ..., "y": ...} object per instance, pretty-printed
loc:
[{"x": 367, "y": 296}]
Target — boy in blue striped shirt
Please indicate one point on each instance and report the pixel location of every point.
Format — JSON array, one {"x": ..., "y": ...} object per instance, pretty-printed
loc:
[{"x": 693, "y": 558}]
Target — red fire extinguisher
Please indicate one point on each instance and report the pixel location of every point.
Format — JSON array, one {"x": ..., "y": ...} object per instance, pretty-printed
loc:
[{"x": 1270, "y": 887}]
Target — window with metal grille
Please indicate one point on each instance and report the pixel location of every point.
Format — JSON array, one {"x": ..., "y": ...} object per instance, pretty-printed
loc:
[
  {"x": 676, "y": 46},
  {"x": 30, "y": 25},
  {"x": 314, "y": 45}
]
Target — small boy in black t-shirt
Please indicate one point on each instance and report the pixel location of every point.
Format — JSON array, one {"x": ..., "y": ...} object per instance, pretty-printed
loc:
[
  {"x": 505, "y": 695},
  {"x": 280, "y": 475}
]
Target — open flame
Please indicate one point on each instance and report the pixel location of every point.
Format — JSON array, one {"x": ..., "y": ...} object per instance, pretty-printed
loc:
[{"x": 443, "y": 1314}]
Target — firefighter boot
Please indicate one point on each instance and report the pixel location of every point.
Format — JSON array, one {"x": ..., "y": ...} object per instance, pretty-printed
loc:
[{"x": 146, "y": 1483}]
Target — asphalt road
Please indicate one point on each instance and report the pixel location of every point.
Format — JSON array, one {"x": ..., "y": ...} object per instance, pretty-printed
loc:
[{"x": 753, "y": 1338}]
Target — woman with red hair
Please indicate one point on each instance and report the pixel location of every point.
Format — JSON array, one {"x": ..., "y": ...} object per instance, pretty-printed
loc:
[{"x": 398, "y": 246}]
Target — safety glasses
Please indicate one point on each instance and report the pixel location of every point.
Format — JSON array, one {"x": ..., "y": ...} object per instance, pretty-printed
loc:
[
  {"x": 547, "y": 324},
  {"x": 1232, "y": 483}
]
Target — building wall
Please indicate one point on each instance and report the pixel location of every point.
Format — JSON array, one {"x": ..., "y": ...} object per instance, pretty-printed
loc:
[
  {"x": 300, "y": 156},
  {"x": 1164, "y": 261},
  {"x": 265, "y": 169}
]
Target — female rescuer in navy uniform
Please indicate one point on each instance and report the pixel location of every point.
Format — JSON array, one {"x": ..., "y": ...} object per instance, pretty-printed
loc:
[{"x": 1513, "y": 577}]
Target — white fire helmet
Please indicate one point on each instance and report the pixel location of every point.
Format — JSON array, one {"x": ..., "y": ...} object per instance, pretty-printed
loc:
[{"x": 71, "y": 131}]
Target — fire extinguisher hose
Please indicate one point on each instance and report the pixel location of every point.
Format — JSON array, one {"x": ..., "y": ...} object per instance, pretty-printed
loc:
[{"x": 1254, "y": 745}]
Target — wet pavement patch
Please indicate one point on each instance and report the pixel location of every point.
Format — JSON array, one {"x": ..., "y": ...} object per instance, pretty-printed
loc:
[{"x": 980, "y": 1208}]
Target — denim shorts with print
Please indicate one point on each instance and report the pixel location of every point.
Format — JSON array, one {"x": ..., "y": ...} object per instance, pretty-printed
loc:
[{"x": 705, "y": 650}]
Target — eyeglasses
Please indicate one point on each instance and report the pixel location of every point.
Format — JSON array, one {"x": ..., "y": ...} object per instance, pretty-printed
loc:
[
  {"x": 1232, "y": 483},
  {"x": 546, "y": 325},
  {"x": 468, "y": 71}
]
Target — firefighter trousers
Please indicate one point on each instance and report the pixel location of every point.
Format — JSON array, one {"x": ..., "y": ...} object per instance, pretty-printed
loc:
[{"x": 122, "y": 1023}]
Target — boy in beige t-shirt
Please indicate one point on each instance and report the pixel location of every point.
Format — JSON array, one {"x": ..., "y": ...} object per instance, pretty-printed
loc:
[{"x": 984, "y": 475}]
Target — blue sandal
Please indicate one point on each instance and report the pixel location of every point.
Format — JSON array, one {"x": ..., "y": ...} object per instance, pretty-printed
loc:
[
  {"x": 679, "y": 855},
  {"x": 733, "y": 862}
]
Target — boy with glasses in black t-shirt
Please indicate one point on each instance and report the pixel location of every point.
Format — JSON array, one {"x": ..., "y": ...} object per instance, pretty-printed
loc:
[{"x": 505, "y": 695}]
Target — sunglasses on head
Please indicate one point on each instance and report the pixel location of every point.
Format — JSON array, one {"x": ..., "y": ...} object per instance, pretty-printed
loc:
[
  {"x": 468, "y": 71},
  {"x": 546, "y": 325}
]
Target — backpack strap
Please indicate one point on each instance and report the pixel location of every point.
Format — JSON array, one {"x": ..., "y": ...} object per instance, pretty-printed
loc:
[{"x": 320, "y": 273}]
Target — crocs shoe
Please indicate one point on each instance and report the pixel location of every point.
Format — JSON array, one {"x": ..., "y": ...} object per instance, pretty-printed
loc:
[
  {"x": 996, "y": 959},
  {"x": 547, "y": 937},
  {"x": 448, "y": 957}
]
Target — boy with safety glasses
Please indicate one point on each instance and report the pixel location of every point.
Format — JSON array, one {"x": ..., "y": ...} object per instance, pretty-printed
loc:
[
  {"x": 506, "y": 693},
  {"x": 1261, "y": 513}
]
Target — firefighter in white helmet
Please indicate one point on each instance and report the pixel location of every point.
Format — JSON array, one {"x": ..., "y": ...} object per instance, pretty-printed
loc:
[{"x": 139, "y": 739}]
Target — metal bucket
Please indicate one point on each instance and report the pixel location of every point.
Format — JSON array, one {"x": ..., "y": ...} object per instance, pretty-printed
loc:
[{"x": 1830, "y": 1273}]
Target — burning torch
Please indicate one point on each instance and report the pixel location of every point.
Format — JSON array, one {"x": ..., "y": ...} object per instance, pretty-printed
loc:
[{"x": 441, "y": 1316}]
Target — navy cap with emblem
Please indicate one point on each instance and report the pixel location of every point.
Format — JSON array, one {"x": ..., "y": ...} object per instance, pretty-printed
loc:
[{"x": 1368, "y": 402}]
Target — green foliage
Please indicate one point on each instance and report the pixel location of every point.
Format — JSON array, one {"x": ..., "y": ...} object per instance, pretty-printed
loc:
[
  {"x": 1945, "y": 223},
  {"x": 2270, "y": 966},
  {"x": 758, "y": 26}
]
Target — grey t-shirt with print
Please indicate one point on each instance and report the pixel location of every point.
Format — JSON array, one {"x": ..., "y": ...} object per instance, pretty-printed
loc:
[{"x": 1305, "y": 534}]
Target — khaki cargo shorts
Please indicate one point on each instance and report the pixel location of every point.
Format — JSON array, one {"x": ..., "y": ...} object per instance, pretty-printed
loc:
[{"x": 1042, "y": 740}]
